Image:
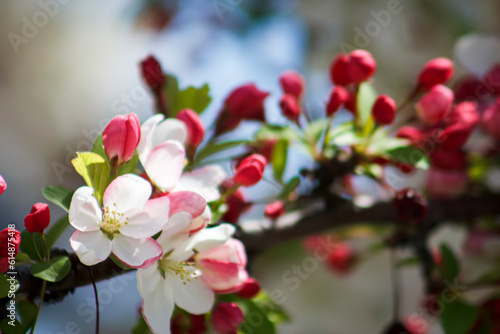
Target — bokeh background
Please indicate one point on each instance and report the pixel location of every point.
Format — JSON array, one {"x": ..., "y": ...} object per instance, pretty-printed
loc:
[{"x": 67, "y": 67}]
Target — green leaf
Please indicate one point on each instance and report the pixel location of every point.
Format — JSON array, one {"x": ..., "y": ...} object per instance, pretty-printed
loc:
[
  {"x": 458, "y": 317},
  {"x": 6, "y": 328},
  {"x": 316, "y": 129},
  {"x": 193, "y": 98},
  {"x": 170, "y": 91},
  {"x": 214, "y": 148},
  {"x": 141, "y": 327},
  {"x": 32, "y": 244},
  {"x": 409, "y": 261},
  {"x": 23, "y": 258},
  {"x": 98, "y": 147},
  {"x": 27, "y": 313},
  {"x": 379, "y": 146},
  {"x": 56, "y": 231},
  {"x": 450, "y": 267},
  {"x": 364, "y": 101},
  {"x": 5, "y": 285},
  {"x": 52, "y": 271},
  {"x": 94, "y": 170},
  {"x": 277, "y": 132},
  {"x": 252, "y": 312},
  {"x": 130, "y": 166},
  {"x": 58, "y": 195},
  {"x": 409, "y": 155},
  {"x": 290, "y": 187},
  {"x": 280, "y": 152}
]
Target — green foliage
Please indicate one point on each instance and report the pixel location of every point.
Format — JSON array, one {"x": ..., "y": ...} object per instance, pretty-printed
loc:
[
  {"x": 58, "y": 195},
  {"x": 458, "y": 317},
  {"x": 52, "y": 271},
  {"x": 56, "y": 231},
  {"x": 270, "y": 132},
  {"x": 409, "y": 155},
  {"x": 450, "y": 267},
  {"x": 141, "y": 327},
  {"x": 190, "y": 97},
  {"x": 94, "y": 170},
  {"x": 279, "y": 158},
  {"x": 32, "y": 244},
  {"x": 98, "y": 148},
  {"x": 316, "y": 129},
  {"x": 9, "y": 329},
  {"x": 5, "y": 285},
  {"x": 290, "y": 186},
  {"x": 365, "y": 99},
  {"x": 213, "y": 148},
  {"x": 27, "y": 313}
]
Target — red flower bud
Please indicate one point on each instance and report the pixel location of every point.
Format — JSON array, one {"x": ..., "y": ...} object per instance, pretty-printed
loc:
[
  {"x": 274, "y": 210},
  {"x": 384, "y": 110},
  {"x": 491, "y": 120},
  {"x": 152, "y": 73},
  {"x": 470, "y": 88},
  {"x": 250, "y": 289},
  {"x": 352, "y": 103},
  {"x": 38, "y": 219},
  {"x": 246, "y": 102},
  {"x": 341, "y": 258},
  {"x": 3, "y": 184},
  {"x": 194, "y": 126},
  {"x": 236, "y": 205},
  {"x": 360, "y": 66},
  {"x": 290, "y": 107},
  {"x": 437, "y": 71},
  {"x": 121, "y": 137},
  {"x": 338, "y": 96},
  {"x": 226, "y": 317},
  {"x": 411, "y": 206},
  {"x": 338, "y": 70},
  {"x": 443, "y": 183},
  {"x": 226, "y": 122},
  {"x": 412, "y": 134},
  {"x": 292, "y": 83},
  {"x": 263, "y": 147},
  {"x": 434, "y": 105},
  {"x": 250, "y": 170},
  {"x": 462, "y": 119},
  {"x": 10, "y": 239},
  {"x": 449, "y": 160}
]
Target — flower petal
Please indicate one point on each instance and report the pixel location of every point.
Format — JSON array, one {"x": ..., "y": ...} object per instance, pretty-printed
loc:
[
  {"x": 148, "y": 279},
  {"x": 169, "y": 129},
  {"x": 187, "y": 201},
  {"x": 90, "y": 247},
  {"x": 194, "y": 296},
  {"x": 478, "y": 53},
  {"x": 204, "y": 181},
  {"x": 136, "y": 252},
  {"x": 177, "y": 245},
  {"x": 164, "y": 165},
  {"x": 149, "y": 221},
  {"x": 84, "y": 211},
  {"x": 222, "y": 276},
  {"x": 147, "y": 129},
  {"x": 129, "y": 193},
  {"x": 211, "y": 237},
  {"x": 201, "y": 221},
  {"x": 158, "y": 306}
]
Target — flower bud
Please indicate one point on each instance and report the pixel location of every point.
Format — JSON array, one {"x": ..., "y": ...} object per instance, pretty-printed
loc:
[
  {"x": 414, "y": 135},
  {"x": 226, "y": 317},
  {"x": 342, "y": 258},
  {"x": 121, "y": 137},
  {"x": 236, "y": 205},
  {"x": 290, "y": 107},
  {"x": 263, "y": 147},
  {"x": 250, "y": 170},
  {"x": 437, "y": 71},
  {"x": 449, "y": 160},
  {"x": 461, "y": 119},
  {"x": 292, "y": 83},
  {"x": 411, "y": 206},
  {"x": 38, "y": 219},
  {"x": 274, "y": 210},
  {"x": 338, "y": 96},
  {"x": 3, "y": 184},
  {"x": 470, "y": 88},
  {"x": 338, "y": 70},
  {"x": 360, "y": 66},
  {"x": 194, "y": 126},
  {"x": 434, "y": 105},
  {"x": 491, "y": 120},
  {"x": 9, "y": 238},
  {"x": 246, "y": 102},
  {"x": 352, "y": 103},
  {"x": 152, "y": 73},
  {"x": 384, "y": 110},
  {"x": 250, "y": 289},
  {"x": 443, "y": 183}
]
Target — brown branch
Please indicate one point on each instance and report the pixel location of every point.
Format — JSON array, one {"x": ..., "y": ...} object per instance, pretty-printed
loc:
[{"x": 383, "y": 213}]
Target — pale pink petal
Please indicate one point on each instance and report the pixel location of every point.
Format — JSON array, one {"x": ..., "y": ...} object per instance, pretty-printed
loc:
[
  {"x": 187, "y": 201},
  {"x": 135, "y": 252},
  {"x": 169, "y": 129},
  {"x": 148, "y": 279},
  {"x": 211, "y": 237},
  {"x": 147, "y": 130},
  {"x": 84, "y": 211},
  {"x": 478, "y": 53},
  {"x": 222, "y": 276},
  {"x": 149, "y": 221},
  {"x": 200, "y": 222},
  {"x": 204, "y": 181},
  {"x": 90, "y": 247},
  {"x": 231, "y": 251},
  {"x": 176, "y": 245},
  {"x": 176, "y": 223},
  {"x": 194, "y": 296},
  {"x": 157, "y": 307},
  {"x": 164, "y": 165},
  {"x": 127, "y": 194}
]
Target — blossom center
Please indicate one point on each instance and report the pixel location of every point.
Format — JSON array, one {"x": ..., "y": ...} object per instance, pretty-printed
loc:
[
  {"x": 112, "y": 220},
  {"x": 178, "y": 268}
]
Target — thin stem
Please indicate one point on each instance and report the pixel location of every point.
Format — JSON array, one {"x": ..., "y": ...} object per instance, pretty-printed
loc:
[
  {"x": 327, "y": 137},
  {"x": 96, "y": 301}
]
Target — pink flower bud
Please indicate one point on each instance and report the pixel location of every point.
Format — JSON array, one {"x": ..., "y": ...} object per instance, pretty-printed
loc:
[
  {"x": 246, "y": 102},
  {"x": 434, "y": 105},
  {"x": 292, "y": 83},
  {"x": 411, "y": 206},
  {"x": 226, "y": 317},
  {"x": 446, "y": 184},
  {"x": 437, "y": 71},
  {"x": 236, "y": 205},
  {"x": 491, "y": 120},
  {"x": 342, "y": 258},
  {"x": 461, "y": 119},
  {"x": 195, "y": 128},
  {"x": 384, "y": 110},
  {"x": 338, "y": 96},
  {"x": 290, "y": 107},
  {"x": 449, "y": 160},
  {"x": 152, "y": 73},
  {"x": 121, "y": 137},
  {"x": 338, "y": 70},
  {"x": 9, "y": 238},
  {"x": 250, "y": 289},
  {"x": 3, "y": 184},
  {"x": 414, "y": 135},
  {"x": 360, "y": 66},
  {"x": 38, "y": 219},
  {"x": 274, "y": 210},
  {"x": 250, "y": 170}
]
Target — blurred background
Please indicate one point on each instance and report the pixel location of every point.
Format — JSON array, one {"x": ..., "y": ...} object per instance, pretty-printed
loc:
[{"x": 67, "y": 67}]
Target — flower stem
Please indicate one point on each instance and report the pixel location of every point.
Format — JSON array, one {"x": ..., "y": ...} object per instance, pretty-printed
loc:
[{"x": 96, "y": 301}]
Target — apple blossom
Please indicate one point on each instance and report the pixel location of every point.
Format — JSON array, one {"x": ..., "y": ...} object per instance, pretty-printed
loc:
[
  {"x": 250, "y": 288},
  {"x": 292, "y": 83},
  {"x": 338, "y": 96},
  {"x": 384, "y": 110},
  {"x": 194, "y": 126},
  {"x": 250, "y": 170},
  {"x": 338, "y": 70},
  {"x": 290, "y": 107},
  {"x": 434, "y": 105},
  {"x": 121, "y": 137},
  {"x": 226, "y": 317},
  {"x": 411, "y": 133},
  {"x": 360, "y": 66},
  {"x": 3, "y": 184},
  {"x": 436, "y": 71},
  {"x": 152, "y": 73},
  {"x": 38, "y": 219}
]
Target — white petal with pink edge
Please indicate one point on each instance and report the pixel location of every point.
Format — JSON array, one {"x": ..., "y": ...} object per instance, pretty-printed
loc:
[
  {"x": 90, "y": 247},
  {"x": 169, "y": 129},
  {"x": 204, "y": 181},
  {"x": 151, "y": 220},
  {"x": 84, "y": 211},
  {"x": 127, "y": 194},
  {"x": 211, "y": 237},
  {"x": 222, "y": 276},
  {"x": 164, "y": 165},
  {"x": 135, "y": 252},
  {"x": 147, "y": 131},
  {"x": 187, "y": 201}
]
